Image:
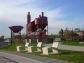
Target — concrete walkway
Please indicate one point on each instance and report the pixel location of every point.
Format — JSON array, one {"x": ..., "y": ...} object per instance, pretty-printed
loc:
[
  {"x": 18, "y": 59},
  {"x": 68, "y": 47},
  {"x": 6, "y": 60},
  {"x": 28, "y": 58},
  {"x": 72, "y": 48}
]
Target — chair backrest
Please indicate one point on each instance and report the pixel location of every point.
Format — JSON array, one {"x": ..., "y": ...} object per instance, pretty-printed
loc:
[
  {"x": 27, "y": 44},
  {"x": 29, "y": 40},
  {"x": 55, "y": 44},
  {"x": 25, "y": 40},
  {"x": 39, "y": 44}
]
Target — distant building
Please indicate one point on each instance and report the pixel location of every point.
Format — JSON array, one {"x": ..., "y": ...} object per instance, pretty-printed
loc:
[
  {"x": 4, "y": 42},
  {"x": 79, "y": 32},
  {"x": 77, "y": 29}
]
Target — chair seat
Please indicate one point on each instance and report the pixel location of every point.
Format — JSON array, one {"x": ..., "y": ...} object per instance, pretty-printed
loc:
[{"x": 54, "y": 48}]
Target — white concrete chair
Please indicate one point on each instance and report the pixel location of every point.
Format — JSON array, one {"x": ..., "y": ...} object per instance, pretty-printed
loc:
[
  {"x": 26, "y": 46},
  {"x": 54, "y": 48},
  {"x": 39, "y": 46}
]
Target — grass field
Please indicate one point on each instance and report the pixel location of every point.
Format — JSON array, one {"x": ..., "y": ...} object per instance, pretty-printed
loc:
[
  {"x": 75, "y": 57},
  {"x": 71, "y": 56},
  {"x": 75, "y": 43}
]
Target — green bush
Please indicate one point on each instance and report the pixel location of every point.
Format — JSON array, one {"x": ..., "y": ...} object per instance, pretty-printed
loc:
[{"x": 49, "y": 40}]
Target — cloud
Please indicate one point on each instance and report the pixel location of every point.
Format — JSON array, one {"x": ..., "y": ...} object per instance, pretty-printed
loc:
[
  {"x": 17, "y": 16},
  {"x": 14, "y": 2},
  {"x": 11, "y": 13}
]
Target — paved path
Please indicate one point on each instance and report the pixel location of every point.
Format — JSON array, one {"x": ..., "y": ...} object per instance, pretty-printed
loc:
[
  {"x": 28, "y": 58},
  {"x": 72, "y": 48},
  {"x": 68, "y": 47},
  {"x": 6, "y": 60},
  {"x": 18, "y": 59}
]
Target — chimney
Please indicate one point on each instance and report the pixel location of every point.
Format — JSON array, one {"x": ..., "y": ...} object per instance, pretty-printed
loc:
[
  {"x": 42, "y": 14},
  {"x": 28, "y": 18}
]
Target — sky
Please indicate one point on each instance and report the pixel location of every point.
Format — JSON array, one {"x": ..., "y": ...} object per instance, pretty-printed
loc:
[{"x": 60, "y": 13}]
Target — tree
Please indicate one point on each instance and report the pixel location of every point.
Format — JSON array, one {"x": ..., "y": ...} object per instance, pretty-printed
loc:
[
  {"x": 70, "y": 35},
  {"x": 1, "y": 38},
  {"x": 74, "y": 35},
  {"x": 67, "y": 34},
  {"x": 61, "y": 32}
]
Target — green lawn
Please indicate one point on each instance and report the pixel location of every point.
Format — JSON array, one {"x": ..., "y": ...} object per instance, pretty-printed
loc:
[
  {"x": 75, "y": 57},
  {"x": 74, "y": 43},
  {"x": 9, "y": 48},
  {"x": 71, "y": 56}
]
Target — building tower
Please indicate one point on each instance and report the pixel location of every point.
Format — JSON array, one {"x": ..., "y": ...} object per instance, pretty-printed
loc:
[{"x": 28, "y": 21}]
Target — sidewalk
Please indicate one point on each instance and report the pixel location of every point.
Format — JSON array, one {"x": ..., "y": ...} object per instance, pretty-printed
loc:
[
  {"x": 18, "y": 59},
  {"x": 68, "y": 47},
  {"x": 28, "y": 58}
]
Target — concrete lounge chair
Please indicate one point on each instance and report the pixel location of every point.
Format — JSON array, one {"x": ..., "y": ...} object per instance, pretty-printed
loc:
[
  {"x": 39, "y": 46},
  {"x": 26, "y": 46},
  {"x": 54, "y": 48}
]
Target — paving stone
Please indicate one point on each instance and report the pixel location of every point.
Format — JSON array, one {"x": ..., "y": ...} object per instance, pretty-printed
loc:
[
  {"x": 28, "y": 58},
  {"x": 6, "y": 60}
]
